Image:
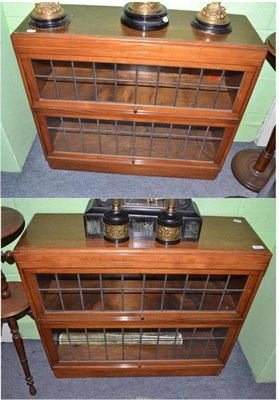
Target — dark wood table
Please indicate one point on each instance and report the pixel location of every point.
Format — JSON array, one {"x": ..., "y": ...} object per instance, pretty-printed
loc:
[
  {"x": 252, "y": 167},
  {"x": 14, "y": 302}
]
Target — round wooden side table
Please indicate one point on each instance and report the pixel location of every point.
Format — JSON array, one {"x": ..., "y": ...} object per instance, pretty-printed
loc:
[
  {"x": 253, "y": 168},
  {"x": 14, "y": 302}
]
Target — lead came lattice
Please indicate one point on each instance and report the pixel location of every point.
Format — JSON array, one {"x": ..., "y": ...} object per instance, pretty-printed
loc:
[
  {"x": 129, "y": 292},
  {"x": 134, "y": 139},
  {"x": 139, "y": 343},
  {"x": 137, "y": 84}
]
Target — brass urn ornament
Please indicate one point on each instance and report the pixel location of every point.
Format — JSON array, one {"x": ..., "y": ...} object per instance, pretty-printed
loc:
[
  {"x": 48, "y": 15},
  {"x": 212, "y": 19},
  {"x": 169, "y": 224},
  {"x": 116, "y": 223},
  {"x": 145, "y": 16},
  {"x": 142, "y": 8}
]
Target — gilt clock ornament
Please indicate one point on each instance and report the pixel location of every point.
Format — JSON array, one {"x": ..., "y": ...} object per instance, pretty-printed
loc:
[
  {"x": 116, "y": 223},
  {"x": 169, "y": 225},
  {"x": 167, "y": 221}
]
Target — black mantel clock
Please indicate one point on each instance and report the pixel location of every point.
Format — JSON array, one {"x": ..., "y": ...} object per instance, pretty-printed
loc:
[{"x": 143, "y": 218}]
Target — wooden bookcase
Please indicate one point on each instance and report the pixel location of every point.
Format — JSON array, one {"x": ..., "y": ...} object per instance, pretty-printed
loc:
[
  {"x": 139, "y": 308},
  {"x": 107, "y": 98}
]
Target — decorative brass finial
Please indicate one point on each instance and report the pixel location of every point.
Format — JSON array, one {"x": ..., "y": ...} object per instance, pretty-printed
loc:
[
  {"x": 212, "y": 19},
  {"x": 171, "y": 206},
  {"x": 48, "y": 15},
  {"x": 145, "y": 16},
  {"x": 116, "y": 204}
]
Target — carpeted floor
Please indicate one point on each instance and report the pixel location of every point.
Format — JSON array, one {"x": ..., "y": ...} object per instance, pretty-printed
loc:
[
  {"x": 235, "y": 382},
  {"x": 38, "y": 180}
]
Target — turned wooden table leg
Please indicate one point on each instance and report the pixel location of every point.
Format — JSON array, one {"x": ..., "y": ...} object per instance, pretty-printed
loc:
[
  {"x": 253, "y": 168},
  {"x": 266, "y": 155},
  {"x": 5, "y": 291},
  {"x": 12, "y": 322},
  {"x": 14, "y": 300}
]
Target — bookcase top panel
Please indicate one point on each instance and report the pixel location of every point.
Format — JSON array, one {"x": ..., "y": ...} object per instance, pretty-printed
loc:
[
  {"x": 66, "y": 231},
  {"x": 104, "y": 22}
]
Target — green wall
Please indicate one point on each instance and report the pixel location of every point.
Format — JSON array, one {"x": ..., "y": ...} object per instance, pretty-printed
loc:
[
  {"x": 17, "y": 126},
  {"x": 257, "y": 337},
  {"x": 18, "y": 133}
]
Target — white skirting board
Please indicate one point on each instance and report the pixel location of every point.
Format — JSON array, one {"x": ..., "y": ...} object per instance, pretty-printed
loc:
[{"x": 265, "y": 130}]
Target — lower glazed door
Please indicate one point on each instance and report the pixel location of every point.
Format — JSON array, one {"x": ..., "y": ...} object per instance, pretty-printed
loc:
[{"x": 132, "y": 351}]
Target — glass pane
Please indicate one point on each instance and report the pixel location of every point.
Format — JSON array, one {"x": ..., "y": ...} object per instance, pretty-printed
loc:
[
  {"x": 113, "y": 301},
  {"x": 218, "y": 89},
  {"x": 111, "y": 281},
  {"x": 237, "y": 282},
  {"x": 233, "y": 292},
  {"x": 51, "y": 301},
  {"x": 62, "y": 343},
  {"x": 71, "y": 300},
  {"x": 197, "y": 281},
  {"x": 233, "y": 79},
  {"x": 64, "y": 80},
  {"x": 225, "y": 99},
  {"x": 211, "y": 301},
  {"x": 91, "y": 289},
  {"x": 46, "y": 281},
  {"x": 85, "y": 83},
  {"x": 43, "y": 71},
  {"x": 230, "y": 301},
  {"x": 92, "y": 301},
  {"x": 68, "y": 281},
  {"x": 203, "y": 143},
  {"x": 139, "y": 343}
]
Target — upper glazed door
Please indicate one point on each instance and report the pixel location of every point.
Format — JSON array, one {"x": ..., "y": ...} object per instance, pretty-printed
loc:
[
  {"x": 140, "y": 297},
  {"x": 153, "y": 85},
  {"x": 194, "y": 90}
]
